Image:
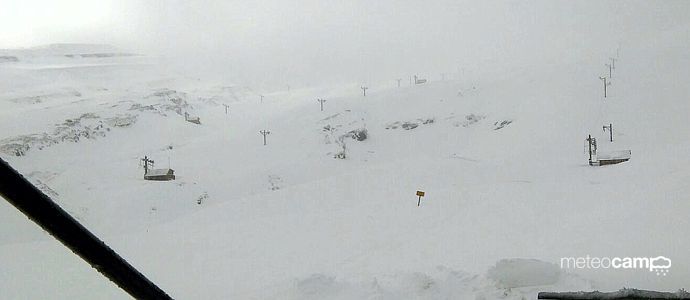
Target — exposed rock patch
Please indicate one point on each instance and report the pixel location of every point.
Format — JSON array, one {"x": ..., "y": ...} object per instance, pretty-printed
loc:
[
  {"x": 409, "y": 125},
  {"x": 341, "y": 127},
  {"x": 502, "y": 124},
  {"x": 86, "y": 126}
]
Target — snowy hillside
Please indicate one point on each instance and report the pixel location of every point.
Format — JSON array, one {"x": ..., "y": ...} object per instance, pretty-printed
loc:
[{"x": 327, "y": 209}]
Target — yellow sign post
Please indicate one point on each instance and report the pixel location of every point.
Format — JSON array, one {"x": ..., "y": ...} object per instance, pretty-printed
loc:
[{"x": 420, "y": 194}]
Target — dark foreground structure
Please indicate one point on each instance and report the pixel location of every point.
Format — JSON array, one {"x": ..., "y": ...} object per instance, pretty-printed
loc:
[
  {"x": 630, "y": 294},
  {"x": 43, "y": 211}
]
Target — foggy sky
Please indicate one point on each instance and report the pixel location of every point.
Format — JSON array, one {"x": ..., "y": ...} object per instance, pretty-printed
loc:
[{"x": 280, "y": 42}]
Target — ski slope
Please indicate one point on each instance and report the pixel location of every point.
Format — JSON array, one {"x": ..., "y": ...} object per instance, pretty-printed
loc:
[{"x": 500, "y": 158}]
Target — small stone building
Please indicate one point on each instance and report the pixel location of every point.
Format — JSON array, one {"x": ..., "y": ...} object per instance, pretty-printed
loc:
[
  {"x": 614, "y": 157},
  {"x": 160, "y": 174}
]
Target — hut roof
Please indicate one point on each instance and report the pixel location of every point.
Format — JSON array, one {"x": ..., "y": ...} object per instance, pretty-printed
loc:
[
  {"x": 622, "y": 154},
  {"x": 159, "y": 172}
]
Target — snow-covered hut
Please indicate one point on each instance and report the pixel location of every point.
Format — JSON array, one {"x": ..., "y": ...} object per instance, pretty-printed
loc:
[
  {"x": 193, "y": 119},
  {"x": 160, "y": 174},
  {"x": 613, "y": 157}
]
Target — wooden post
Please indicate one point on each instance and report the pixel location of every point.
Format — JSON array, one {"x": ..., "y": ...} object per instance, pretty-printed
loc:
[
  {"x": 321, "y": 101},
  {"x": 265, "y": 133},
  {"x": 610, "y": 68},
  {"x": 147, "y": 161},
  {"x": 589, "y": 141},
  {"x": 399, "y": 81},
  {"x": 606, "y": 87},
  {"x": 186, "y": 116},
  {"x": 605, "y": 84},
  {"x": 226, "y": 108},
  {"x": 364, "y": 89},
  {"x": 610, "y": 128},
  {"x": 262, "y": 98},
  {"x": 592, "y": 148}
]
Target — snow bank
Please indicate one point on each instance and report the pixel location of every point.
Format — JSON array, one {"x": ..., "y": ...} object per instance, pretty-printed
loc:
[
  {"x": 509, "y": 279},
  {"x": 510, "y": 273}
]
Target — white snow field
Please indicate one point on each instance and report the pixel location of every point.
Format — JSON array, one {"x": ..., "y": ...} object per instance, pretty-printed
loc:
[{"x": 499, "y": 155}]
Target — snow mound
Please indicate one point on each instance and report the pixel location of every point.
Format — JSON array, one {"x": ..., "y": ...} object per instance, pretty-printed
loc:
[
  {"x": 526, "y": 276},
  {"x": 510, "y": 273},
  {"x": 621, "y": 294}
]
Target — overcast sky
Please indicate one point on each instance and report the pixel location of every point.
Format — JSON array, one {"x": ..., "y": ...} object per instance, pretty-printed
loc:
[{"x": 280, "y": 41}]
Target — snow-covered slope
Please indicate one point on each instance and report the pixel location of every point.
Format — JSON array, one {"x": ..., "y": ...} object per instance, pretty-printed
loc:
[{"x": 501, "y": 162}]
